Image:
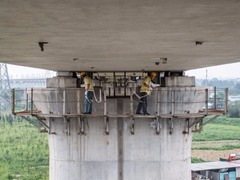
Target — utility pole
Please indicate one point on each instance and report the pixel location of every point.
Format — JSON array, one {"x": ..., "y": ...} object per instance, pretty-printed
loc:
[
  {"x": 206, "y": 77},
  {"x": 4, "y": 89}
]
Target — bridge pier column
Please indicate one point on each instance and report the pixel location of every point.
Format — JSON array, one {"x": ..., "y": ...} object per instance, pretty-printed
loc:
[{"x": 119, "y": 155}]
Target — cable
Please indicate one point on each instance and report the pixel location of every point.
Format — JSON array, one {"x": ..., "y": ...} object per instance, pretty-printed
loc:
[
  {"x": 100, "y": 96},
  {"x": 139, "y": 97},
  {"x": 98, "y": 101}
]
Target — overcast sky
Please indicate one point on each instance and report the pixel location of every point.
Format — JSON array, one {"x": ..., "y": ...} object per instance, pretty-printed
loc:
[
  {"x": 223, "y": 71},
  {"x": 220, "y": 72},
  {"x": 21, "y": 71}
]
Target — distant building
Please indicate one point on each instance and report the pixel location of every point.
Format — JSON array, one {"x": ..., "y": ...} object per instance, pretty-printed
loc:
[
  {"x": 234, "y": 98},
  {"x": 216, "y": 171},
  {"x": 27, "y": 83}
]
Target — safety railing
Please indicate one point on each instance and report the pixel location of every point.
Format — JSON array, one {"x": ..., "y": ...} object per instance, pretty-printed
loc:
[
  {"x": 166, "y": 100},
  {"x": 166, "y": 103},
  {"x": 216, "y": 100}
]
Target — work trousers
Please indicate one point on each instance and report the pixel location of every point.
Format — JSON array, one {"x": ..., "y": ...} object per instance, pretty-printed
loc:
[
  {"x": 142, "y": 104},
  {"x": 88, "y": 102}
]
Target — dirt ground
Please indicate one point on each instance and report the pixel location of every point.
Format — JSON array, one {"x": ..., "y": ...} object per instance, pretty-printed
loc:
[{"x": 213, "y": 155}]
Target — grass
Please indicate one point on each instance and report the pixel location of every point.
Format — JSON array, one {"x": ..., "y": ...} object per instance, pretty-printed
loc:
[
  {"x": 224, "y": 120},
  {"x": 23, "y": 152},
  {"x": 196, "y": 160},
  {"x": 220, "y": 129},
  {"x": 221, "y": 148}
]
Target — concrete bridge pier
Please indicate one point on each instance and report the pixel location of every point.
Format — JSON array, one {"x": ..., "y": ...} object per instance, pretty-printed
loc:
[{"x": 121, "y": 155}]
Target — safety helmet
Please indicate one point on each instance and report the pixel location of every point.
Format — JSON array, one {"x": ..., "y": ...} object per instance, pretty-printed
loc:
[
  {"x": 153, "y": 74},
  {"x": 82, "y": 73}
]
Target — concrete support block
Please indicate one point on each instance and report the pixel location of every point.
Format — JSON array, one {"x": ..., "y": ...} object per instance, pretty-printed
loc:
[
  {"x": 181, "y": 81},
  {"x": 61, "y": 82}
]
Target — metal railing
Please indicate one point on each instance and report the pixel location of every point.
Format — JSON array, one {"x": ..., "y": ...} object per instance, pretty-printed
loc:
[
  {"x": 210, "y": 100},
  {"x": 169, "y": 103}
]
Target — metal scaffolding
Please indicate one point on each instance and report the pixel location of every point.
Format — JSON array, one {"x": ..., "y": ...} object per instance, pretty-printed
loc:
[
  {"x": 5, "y": 95},
  {"x": 165, "y": 108}
]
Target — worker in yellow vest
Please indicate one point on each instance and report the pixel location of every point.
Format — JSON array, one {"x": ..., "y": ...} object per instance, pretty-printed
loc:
[
  {"x": 145, "y": 91},
  {"x": 88, "y": 93}
]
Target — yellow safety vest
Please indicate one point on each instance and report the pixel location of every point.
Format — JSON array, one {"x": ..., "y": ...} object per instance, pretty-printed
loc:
[
  {"x": 147, "y": 81},
  {"x": 88, "y": 81}
]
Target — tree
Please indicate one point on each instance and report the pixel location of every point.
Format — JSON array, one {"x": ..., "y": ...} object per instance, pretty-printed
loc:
[{"x": 234, "y": 109}]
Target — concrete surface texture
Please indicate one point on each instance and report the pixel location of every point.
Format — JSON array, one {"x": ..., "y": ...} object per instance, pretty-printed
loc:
[
  {"x": 107, "y": 35},
  {"x": 119, "y": 155}
]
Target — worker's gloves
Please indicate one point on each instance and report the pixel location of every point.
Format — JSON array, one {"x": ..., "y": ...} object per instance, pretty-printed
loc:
[{"x": 155, "y": 85}]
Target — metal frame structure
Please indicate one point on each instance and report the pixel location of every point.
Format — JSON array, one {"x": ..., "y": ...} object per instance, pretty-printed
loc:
[
  {"x": 196, "y": 125},
  {"x": 4, "y": 87}
]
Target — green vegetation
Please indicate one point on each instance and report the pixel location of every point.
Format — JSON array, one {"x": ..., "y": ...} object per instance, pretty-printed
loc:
[
  {"x": 234, "y": 109},
  {"x": 224, "y": 147},
  {"x": 196, "y": 160},
  {"x": 220, "y": 129},
  {"x": 233, "y": 85},
  {"x": 216, "y": 132},
  {"x": 224, "y": 120},
  {"x": 23, "y": 151}
]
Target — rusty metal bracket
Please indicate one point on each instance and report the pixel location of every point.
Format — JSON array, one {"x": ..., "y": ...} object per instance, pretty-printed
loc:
[
  {"x": 197, "y": 125},
  {"x": 82, "y": 126},
  {"x": 157, "y": 126},
  {"x": 41, "y": 120},
  {"x": 210, "y": 120},
  {"x": 67, "y": 126},
  {"x": 170, "y": 120},
  {"x": 106, "y": 120},
  {"x": 186, "y": 131},
  {"x": 50, "y": 127},
  {"x": 79, "y": 125},
  {"x": 132, "y": 126}
]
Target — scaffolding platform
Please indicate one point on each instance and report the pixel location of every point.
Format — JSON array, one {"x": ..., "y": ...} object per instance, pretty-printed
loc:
[
  {"x": 194, "y": 121},
  {"x": 161, "y": 116}
]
